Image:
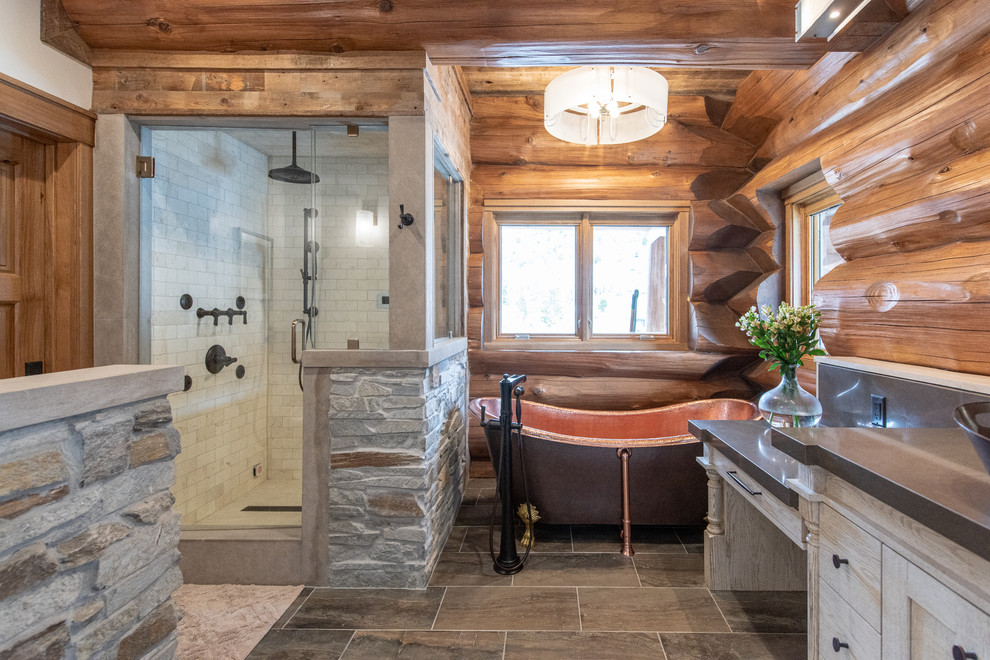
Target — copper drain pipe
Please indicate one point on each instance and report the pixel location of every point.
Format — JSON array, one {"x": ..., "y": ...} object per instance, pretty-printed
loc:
[{"x": 627, "y": 548}]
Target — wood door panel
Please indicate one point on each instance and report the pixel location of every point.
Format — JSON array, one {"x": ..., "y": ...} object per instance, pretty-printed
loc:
[
  {"x": 7, "y": 214},
  {"x": 23, "y": 244},
  {"x": 8, "y": 367}
]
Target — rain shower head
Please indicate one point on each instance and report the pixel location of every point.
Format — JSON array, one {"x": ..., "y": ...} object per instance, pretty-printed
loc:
[{"x": 293, "y": 173}]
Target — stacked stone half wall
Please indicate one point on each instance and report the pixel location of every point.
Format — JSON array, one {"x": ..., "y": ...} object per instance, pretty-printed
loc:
[
  {"x": 397, "y": 469},
  {"x": 88, "y": 558}
]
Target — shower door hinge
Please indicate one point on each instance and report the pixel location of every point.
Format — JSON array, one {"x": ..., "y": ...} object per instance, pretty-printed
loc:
[{"x": 146, "y": 167}]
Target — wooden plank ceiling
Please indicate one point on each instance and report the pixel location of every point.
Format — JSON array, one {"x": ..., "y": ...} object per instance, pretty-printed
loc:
[{"x": 723, "y": 34}]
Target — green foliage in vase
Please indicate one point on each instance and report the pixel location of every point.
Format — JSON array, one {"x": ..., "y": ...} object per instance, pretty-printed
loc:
[{"x": 785, "y": 337}]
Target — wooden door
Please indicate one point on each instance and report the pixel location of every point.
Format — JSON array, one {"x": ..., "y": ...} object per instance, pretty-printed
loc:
[{"x": 22, "y": 253}]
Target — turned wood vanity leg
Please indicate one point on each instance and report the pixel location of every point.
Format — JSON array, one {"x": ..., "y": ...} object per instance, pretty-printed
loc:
[
  {"x": 627, "y": 548},
  {"x": 715, "y": 503},
  {"x": 716, "y": 566}
]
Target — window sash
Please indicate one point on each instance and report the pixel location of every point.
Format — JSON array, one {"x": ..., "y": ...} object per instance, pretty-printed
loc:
[
  {"x": 586, "y": 216},
  {"x": 803, "y": 237}
]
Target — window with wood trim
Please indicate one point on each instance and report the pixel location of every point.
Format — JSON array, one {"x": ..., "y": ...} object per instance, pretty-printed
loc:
[
  {"x": 810, "y": 205},
  {"x": 585, "y": 275}
]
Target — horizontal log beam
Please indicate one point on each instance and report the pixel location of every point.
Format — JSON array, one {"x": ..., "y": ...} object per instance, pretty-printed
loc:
[
  {"x": 510, "y": 130},
  {"x": 949, "y": 204},
  {"x": 884, "y": 86},
  {"x": 533, "y": 81},
  {"x": 614, "y": 393},
  {"x": 258, "y": 61},
  {"x": 927, "y": 308},
  {"x": 616, "y": 183},
  {"x": 341, "y": 93},
  {"x": 765, "y": 97},
  {"x": 687, "y": 365},
  {"x": 747, "y": 34}
]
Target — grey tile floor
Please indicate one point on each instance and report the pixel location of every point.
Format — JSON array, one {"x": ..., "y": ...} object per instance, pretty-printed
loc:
[{"x": 577, "y": 597}]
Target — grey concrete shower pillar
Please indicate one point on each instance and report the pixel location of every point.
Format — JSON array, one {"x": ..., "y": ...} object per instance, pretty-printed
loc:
[
  {"x": 116, "y": 230},
  {"x": 410, "y": 153}
]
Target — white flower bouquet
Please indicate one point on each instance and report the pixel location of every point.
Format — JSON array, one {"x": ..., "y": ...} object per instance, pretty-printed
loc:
[{"x": 785, "y": 337}]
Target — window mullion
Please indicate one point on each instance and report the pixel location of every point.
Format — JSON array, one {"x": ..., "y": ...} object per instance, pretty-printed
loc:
[{"x": 583, "y": 278}]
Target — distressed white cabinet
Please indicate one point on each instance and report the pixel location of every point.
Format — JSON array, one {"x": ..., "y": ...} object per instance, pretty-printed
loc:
[
  {"x": 873, "y": 602},
  {"x": 923, "y": 618}
]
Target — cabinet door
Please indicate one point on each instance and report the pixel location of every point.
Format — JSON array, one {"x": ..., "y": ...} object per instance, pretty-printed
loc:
[{"x": 923, "y": 619}]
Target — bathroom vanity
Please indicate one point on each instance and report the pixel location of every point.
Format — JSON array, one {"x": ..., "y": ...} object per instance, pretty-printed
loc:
[{"x": 888, "y": 529}]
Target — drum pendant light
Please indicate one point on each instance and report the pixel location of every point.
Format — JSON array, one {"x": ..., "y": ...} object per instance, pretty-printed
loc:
[{"x": 605, "y": 104}]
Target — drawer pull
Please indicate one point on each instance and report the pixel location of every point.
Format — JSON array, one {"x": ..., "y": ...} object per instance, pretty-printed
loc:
[
  {"x": 838, "y": 562},
  {"x": 959, "y": 653},
  {"x": 732, "y": 473},
  {"x": 837, "y": 645}
]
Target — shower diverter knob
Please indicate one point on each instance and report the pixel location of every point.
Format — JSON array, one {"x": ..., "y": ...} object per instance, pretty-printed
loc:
[{"x": 217, "y": 359}]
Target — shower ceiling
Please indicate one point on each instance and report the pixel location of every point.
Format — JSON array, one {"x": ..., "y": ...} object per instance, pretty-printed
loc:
[{"x": 372, "y": 142}]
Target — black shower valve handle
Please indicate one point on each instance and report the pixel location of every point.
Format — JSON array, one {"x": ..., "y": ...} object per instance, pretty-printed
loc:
[
  {"x": 405, "y": 219},
  {"x": 215, "y": 313},
  {"x": 231, "y": 313}
]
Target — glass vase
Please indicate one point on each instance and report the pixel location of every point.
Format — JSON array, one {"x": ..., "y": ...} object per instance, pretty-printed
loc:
[{"x": 788, "y": 404}]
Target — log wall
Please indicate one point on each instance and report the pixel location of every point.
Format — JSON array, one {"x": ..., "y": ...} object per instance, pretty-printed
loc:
[
  {"x": 902, "y": 133},
  {"x": 692, "y": 160}
]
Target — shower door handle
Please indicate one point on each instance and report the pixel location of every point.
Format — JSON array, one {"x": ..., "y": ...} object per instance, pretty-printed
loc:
[{"x": 295, "y": 322}]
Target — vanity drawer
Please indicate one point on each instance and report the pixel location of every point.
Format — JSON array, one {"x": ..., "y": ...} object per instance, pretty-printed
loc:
[
  {"x": 842, "y": 633},
  {"x": 849, "y": 563},
  {"x": 783, "y": 517}
]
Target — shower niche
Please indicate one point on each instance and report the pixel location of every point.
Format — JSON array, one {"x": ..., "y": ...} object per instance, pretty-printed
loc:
[{"x": 295, "y": 222}]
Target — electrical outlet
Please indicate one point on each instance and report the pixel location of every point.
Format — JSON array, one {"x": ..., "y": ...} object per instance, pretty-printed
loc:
[
  {"x": 878, "y": 410},
  {"x": 257, "y": 470}
]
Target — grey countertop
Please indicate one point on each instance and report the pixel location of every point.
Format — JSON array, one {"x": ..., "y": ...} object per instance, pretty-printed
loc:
[
  {"x": 748, "y": 445},
  {"x": 933, "y": 476}
]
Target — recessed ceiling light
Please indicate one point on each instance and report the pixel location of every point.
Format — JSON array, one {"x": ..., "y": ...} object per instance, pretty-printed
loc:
[{"x": 835, "y": 14}]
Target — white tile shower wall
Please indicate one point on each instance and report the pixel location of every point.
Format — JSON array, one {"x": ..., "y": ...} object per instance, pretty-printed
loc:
[
  {"x": 208, "y": 240},
  {"x": 350, "y": 278}
]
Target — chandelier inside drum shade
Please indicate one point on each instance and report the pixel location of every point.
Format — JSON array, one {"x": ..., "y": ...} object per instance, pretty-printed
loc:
[{"x": 605, "y": 104}]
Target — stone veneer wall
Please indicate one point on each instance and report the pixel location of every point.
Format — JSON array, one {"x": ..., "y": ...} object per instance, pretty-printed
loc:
[
  {"x": 88, "y": 558},
  {"x": 397, "y": 469}
]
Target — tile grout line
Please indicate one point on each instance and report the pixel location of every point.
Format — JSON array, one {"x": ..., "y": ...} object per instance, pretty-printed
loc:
[
  {"x": 662, "y": 648},
  {"x": 348, "y": 645},
  {"x": 505, "y": 643},
  {"x": 681, "y": 541},
  {"x": 577, "y": 596},
  {"x": 720, "y": 612},
  {"x": 436, "y": 616},
  {"x": 305, "y": 600}
]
